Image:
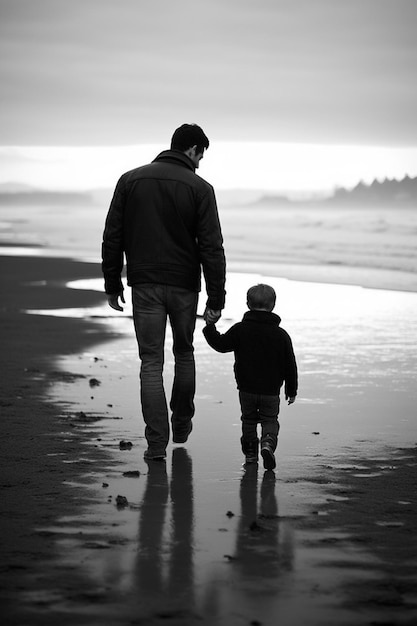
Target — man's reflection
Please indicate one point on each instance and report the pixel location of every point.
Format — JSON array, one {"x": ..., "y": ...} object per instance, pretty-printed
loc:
[
  {"x": 151, "y": 529},
  {"x": 165, "y": 576},
  {"x": 181, "y": 574}
]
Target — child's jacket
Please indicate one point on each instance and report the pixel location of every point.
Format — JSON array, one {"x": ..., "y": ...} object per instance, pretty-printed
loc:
[{"x": 264, "y": 356}]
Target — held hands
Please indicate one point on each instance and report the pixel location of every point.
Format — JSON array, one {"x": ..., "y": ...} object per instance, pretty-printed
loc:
[
  {"x": 113, "y": 300},
  {"x": 211, "y": 316},
  {"x": 291, "y": 399}
]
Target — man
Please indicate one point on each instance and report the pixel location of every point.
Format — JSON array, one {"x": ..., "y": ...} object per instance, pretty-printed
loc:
[{"x": 164, "y": 219}]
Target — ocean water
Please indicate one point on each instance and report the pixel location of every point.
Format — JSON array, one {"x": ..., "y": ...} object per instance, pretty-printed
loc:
[{"x": 373, "y": 247}]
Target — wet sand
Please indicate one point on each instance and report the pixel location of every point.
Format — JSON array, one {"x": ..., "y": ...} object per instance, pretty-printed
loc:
[
  {"x": 329, "y": 538},
  {"x": 34, "y": 442}
]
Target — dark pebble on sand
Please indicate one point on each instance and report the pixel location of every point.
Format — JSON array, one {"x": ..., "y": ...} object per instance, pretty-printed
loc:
[{"x": 125, "y": 445}]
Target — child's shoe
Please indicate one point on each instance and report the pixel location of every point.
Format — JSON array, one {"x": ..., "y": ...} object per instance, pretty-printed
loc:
[
  {"x": 268, "y": 456},
  {"x": 151, "y": 455},
  {"x": 251, "y": 451}
]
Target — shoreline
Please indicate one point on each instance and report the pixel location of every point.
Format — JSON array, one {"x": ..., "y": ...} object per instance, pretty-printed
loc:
[
  {"x": 297, "y": 268},
  {"x": 365, "y": 277},
  {"x": 41, "y": 451}
]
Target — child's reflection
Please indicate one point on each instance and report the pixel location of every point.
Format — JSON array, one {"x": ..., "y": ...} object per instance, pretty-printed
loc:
[{"x": 260, "y": 551}]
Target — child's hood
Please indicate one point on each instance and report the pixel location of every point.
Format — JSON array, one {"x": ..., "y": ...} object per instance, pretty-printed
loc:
[{"x": 263, "y": 317}]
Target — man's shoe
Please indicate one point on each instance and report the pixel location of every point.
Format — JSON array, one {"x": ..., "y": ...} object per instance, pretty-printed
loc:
[
  {"x": 149, "y": 455},
  {"x": 181, "y": 435},
  {"x": 268, "y": 456}
]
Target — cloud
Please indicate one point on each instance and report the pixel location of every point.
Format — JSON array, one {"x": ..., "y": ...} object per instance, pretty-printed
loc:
[{"x": 97, "y": 72}]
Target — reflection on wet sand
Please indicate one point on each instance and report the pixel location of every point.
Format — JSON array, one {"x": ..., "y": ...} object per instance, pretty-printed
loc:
[
  {"x": 164, "y": 574},
  {"x": 263, "y": 554},
  {"x": 247, "y": 590},
  {"x": 165, "y": 577},
  {"x": 259, "y": 553}
]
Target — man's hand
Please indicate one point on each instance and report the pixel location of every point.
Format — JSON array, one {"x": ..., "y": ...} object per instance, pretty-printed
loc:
[
  {"x": 291, "y": 399},
  {"x": 211, "y": 316},
  {"x": 113, "y": 300}
]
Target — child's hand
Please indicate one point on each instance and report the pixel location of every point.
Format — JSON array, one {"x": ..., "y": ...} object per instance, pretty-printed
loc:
[{"x": 291, "y": 399}]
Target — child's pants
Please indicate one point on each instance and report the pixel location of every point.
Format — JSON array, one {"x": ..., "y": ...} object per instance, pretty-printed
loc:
[{"x": 258, "y": 409}]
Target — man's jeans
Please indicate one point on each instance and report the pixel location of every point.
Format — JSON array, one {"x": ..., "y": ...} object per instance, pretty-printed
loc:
[
  {"x": 153, "y": 304},
  {"x": 258, "y": 409}
]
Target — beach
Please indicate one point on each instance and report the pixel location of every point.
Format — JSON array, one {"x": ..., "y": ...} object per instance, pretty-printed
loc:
[{"x": 91, "y": 534}]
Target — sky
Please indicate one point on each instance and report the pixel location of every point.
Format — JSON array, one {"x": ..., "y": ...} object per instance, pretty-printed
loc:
[{"x": 293, "y": 94}]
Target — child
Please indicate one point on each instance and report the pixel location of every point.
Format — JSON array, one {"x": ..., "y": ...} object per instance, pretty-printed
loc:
[{"x": 264, "y": 360}]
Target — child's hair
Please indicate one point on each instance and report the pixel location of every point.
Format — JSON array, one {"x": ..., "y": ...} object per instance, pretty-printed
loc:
[{"x": 261, "y": 297}]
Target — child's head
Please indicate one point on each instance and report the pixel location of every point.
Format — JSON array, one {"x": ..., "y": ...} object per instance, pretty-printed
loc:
[{"x": 261, "y": 298}]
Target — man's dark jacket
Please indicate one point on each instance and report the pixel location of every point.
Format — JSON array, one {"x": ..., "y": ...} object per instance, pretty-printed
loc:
[
  {"x": 164, "y": 218},
  {"x": 264, "y": 355}
]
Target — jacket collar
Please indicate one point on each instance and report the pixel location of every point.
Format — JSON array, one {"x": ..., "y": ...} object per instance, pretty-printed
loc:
[
  {"x": 264, "y": 317},
  {"x": 177, "y": 157}
]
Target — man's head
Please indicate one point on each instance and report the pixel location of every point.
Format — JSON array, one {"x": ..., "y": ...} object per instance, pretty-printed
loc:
[
  {"x": 190, "y": 139},
  {"x": 261, "y": 298}
]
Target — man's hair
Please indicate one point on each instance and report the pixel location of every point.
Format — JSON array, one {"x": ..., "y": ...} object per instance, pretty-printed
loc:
[
  {"x": 261, "y": 297},
  {"x": 187, "y": 136}
]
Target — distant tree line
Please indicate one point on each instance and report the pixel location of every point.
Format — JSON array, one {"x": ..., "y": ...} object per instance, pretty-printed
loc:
[{"x": 389, "y": 191}]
